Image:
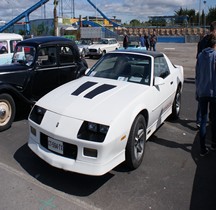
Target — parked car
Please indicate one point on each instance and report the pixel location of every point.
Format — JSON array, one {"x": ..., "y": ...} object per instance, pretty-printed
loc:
[
  {"x": 134, "y": 45},
  {"x": 103, "y": 46},
  {"x": 38, "y": 66},
  {"x": 96, "y": 122},
  {"x": 8, "y": 42},
  {"x": 83, "y": 46}
]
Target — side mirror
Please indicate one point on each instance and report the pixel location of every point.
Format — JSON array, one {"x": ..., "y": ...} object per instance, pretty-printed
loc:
[{"x": 158, "y": 81}]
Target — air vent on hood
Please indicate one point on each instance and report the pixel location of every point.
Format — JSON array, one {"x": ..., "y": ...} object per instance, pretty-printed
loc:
[
  {"x": 99, "y": 90},
  {"x": 83, "y": 87}
]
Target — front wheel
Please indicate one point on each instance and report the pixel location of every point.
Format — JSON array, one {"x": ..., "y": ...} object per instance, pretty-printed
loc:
[
  {"x": 176, "y": 105},
  {"x": 7, "y": 111},
  {"x": 136, "y": 143}
]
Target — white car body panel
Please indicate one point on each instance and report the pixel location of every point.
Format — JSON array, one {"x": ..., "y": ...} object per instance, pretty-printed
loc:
[
  {"x": 99, "y": 49},
  {"x": 9, "y": 41},
  {"x": 116, "y": 107}
]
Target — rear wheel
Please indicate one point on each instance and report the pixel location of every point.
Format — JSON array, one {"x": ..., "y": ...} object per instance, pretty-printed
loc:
[
  {"x": 136, "y": 143},
  {"x": 7, "y": 111},
  {"x": 176, "y": 104}
]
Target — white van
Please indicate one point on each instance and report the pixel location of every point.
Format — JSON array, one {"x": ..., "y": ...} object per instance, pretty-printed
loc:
[{"x": 8, "y": 42}]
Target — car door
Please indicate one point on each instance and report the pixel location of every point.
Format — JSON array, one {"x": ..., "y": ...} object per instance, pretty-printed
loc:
[
  {"x": 165, "y": 90},
  {"x": 112, "y": 44},
  {"x": 46, "y": 74},
  {"x": 163, "y": 93}
]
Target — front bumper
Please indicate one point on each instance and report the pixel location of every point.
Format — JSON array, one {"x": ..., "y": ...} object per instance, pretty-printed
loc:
[
  {"x": 75, "y": 165},
  {"x": 109, "y": 154}
]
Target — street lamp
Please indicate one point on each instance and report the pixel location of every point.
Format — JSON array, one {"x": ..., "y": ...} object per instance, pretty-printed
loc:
[{"x": 204, "y": 16}]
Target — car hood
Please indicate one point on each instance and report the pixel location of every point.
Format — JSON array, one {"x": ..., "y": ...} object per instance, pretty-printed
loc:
[
  {"x": 96, "y": 46},
  {"x": 83, "y": 46},
  {"x": 93, "y": 99}
]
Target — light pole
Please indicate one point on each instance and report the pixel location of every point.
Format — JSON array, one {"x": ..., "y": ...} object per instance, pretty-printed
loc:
[
  {"x": 55, "y": 18},
  {"x": 199, "y": 12},
  {"x": 204, "y": 16}
]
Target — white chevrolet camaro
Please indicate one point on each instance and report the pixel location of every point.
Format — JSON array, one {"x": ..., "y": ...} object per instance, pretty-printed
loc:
[{"x": 94, "y": 123}]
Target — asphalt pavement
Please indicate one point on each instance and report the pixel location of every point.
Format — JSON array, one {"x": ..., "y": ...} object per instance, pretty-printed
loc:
[{"x": 20, "y": 191}]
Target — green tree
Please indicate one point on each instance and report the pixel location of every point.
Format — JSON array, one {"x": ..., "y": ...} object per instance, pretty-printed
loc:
[
  {"x": 182, "y": 13},
  {"x": 22, "y": 32},
  {"x": 40, "y": 29},
  {"x": 135, "y": 22},
  {"x": 202, "y": 17},
  {"x": 211, "y": 16},
  {"x": 179, "y": 12}
]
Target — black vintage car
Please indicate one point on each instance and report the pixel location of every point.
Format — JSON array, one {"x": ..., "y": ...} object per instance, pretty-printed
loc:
[{"x": 38, "y": 66}]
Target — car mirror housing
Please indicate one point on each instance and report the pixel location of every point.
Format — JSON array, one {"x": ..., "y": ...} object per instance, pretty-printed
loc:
[{"x": 158, "y": 81}]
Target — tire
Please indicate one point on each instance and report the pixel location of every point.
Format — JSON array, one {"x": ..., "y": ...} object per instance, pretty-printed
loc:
[
  {"x": 176, "y": 107},
  {"x": 7, "y": 111},
  {"x": 136, "y": 143}
]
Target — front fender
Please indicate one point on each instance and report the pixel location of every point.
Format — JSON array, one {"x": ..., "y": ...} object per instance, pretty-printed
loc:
[{"x": 6, "y": 88}]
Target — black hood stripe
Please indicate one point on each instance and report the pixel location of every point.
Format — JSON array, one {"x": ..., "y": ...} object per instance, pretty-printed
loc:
[
  {"x": 83, "y": 87},
  {"x": 99, "y": 90}
]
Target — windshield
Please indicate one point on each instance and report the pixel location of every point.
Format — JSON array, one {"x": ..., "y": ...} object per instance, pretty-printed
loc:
[
  {"x": 103, "y": 41},
  {"x": 85, "y": 42},
  {"x": 125, "y": 67},
  {"x": 24, "y": 54}
]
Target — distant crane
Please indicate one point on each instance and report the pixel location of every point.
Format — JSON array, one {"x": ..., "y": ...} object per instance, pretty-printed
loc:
[
  {"x": 103, "y": 15},
  {"x": 66, "y": 4},
  {"x": 25, "y": 15}
]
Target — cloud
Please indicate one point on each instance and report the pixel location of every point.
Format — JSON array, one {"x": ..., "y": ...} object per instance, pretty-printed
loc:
[
  {"x": 122, "y": 9},
  {"x": 140, "y": 9}
]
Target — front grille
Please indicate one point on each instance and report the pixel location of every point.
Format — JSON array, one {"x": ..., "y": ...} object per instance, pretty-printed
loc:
[
  {"x": 69, "y": 151},
  {"x": 92, "y": 50}
]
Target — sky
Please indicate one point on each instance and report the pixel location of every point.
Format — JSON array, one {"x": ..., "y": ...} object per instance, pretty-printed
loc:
[{"x": 126, "y": 10}]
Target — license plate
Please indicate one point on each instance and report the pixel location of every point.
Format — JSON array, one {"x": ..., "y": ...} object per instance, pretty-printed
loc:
[{"x": 55, "y": 145}]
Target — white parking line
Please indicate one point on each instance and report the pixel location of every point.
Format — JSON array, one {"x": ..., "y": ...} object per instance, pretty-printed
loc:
[{"x": 169, "y": 48}]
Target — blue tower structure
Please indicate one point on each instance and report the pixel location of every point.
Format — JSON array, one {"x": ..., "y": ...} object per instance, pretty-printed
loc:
[
  {"x": 103, "y": 15},
  {"x": 25, "y": 15}
]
